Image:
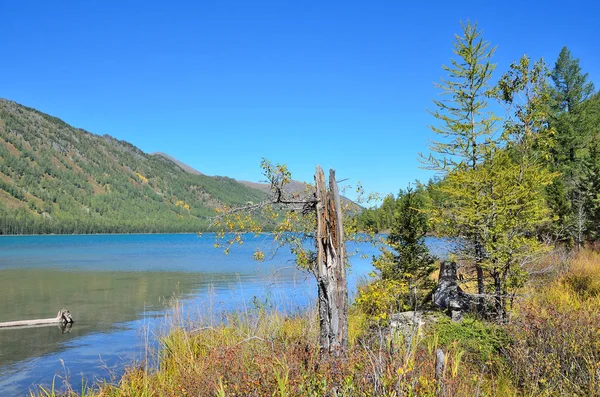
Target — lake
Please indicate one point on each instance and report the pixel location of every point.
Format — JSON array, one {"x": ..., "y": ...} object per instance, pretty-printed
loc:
[{"x": 119, "y": 289}]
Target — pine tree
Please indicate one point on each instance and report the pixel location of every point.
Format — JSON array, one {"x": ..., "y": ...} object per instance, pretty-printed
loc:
[
  {"x": 410, "y": 260},
  {"x": 573, "y": 135},
  {"x": 571, "y": 86},
  {"x": 467, "y": 129},
  {"x": 590, "y": 188}
]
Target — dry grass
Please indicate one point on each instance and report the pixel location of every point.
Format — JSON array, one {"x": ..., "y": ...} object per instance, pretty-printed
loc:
[
  {"x": 556, "y": 348},
  {"x": 264, "y": 353}
]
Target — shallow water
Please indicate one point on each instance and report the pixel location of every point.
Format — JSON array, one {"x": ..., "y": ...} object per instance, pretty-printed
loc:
[{"x": 119, "y": 289}]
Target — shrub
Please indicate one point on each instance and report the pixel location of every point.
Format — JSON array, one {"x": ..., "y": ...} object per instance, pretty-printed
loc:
[
  {"x": 483, "y": 342},
  {"x": 380, "y": 298}
]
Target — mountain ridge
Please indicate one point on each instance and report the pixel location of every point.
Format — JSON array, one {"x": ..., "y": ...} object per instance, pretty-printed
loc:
[
  {"x": 179, "y": 163},
  {"x": 56, "y": 178}
]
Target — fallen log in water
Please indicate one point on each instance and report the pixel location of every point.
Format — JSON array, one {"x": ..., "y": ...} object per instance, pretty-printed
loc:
[{"x": 62, "y": 318}]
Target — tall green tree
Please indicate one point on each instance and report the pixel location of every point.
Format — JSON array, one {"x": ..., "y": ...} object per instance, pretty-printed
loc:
[
  {"x": 516, "y": 177},
  {"x": 571, "y": 85},
  {"x": 494, "y": 178},
  {"x": 466, "y": 127},
  {"x": 569, "y": 119},
  {"x": 590, "y": 189}
]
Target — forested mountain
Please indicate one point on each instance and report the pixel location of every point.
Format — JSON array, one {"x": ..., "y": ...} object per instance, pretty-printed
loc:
[{"x": 55, "y": 178}]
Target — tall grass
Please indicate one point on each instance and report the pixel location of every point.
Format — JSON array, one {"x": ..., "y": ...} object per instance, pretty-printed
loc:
[
  {"x": 556, "y": 348},
  {"x": 264, "y": 353}
]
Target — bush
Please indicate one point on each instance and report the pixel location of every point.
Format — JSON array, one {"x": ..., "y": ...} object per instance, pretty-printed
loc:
[
  {"x": 380, "y": 298},
  {"x": 483, "y": 342}
]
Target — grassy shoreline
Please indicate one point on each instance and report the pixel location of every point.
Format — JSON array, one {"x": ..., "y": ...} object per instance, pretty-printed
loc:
[{"x": 550, "y": 347}]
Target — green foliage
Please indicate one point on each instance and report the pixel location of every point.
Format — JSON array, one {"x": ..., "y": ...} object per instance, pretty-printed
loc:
[
  {"x": 590, "y": 188},
  {"x": 58, "y": 179},
  {"x": 380, "y": 219},
  {"x": 494, "y": 184},
  {"x": 410, "y": 260},
  {"x": 380, "y": 298},
  {"x": 404, "y": 264},
  {"x": 482, "y": 341},
  {"x": 464, "y": 122},
  {"x": 571, "y": 85},
  {"x": 575, "y": 118},
  {"x": 467, "y": 132}
]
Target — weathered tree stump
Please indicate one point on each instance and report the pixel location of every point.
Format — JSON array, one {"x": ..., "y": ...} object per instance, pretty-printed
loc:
[{"x": 448, "y": 295}]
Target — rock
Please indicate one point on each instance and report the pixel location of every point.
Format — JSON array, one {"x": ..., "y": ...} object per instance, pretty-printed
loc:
[{"x": 410, "y": 323}]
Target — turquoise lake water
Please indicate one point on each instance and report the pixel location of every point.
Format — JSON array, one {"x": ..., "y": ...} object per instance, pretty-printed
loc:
[{"x": 119, "y": 289}]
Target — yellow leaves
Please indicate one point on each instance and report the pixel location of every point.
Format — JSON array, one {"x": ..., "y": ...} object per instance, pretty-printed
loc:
[
  {"x": 302, "y": 258},
  {"x": 182, "y": 204},
  {"x": 141, "y": 177},
  {"x": 382, "y": 297},
  {"x": 259, "y": 255}
]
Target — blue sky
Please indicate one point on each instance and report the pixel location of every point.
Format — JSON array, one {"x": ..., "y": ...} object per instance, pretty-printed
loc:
[{"x": 221, "y": 84}]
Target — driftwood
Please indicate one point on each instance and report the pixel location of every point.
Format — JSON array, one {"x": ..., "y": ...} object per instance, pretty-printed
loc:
[{"x": 63, "y": 318}]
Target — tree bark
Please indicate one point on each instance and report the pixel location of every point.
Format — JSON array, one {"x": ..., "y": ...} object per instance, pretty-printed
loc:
[
  {"x": 331, "y": 267},
  {"x": 480, "y": 278}
]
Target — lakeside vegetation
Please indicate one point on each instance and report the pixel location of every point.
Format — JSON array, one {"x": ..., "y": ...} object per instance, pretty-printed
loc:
[
  {"x": 520, "y": 196},
  {"x": 551, "y": 347}
]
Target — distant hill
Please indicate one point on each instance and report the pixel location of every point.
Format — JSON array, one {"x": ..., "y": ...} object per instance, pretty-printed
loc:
[
  {"x": 301, "y": 190},
  {"x": 294, "y": 188},
  {"x": 55, "y": 178},
  {"x": 180, "y": 164}
]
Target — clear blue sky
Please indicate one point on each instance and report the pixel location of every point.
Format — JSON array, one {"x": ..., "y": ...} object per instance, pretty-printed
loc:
[{"x": 221, "y": 84}]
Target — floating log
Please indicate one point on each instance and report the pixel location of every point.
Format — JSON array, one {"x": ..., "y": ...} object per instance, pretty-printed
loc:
[{"x": 62, "y": 318}]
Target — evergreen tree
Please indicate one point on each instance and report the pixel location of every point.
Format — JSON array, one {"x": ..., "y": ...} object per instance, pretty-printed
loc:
[
  {"x": 590, "y": 188},
  {"x": 467, "y": 129},
  {"x": 570, "y": 121},
  {"x": 571, "y": 86},
  {"x": 410, "y": 260}
]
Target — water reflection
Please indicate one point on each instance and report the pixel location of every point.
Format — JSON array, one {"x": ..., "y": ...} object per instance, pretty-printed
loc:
[
  {"x": 118, "y": 289},
  {"x": 97, "y": 300}
]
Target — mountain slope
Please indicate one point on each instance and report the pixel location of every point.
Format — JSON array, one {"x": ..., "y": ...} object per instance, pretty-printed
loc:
[
  {"x": 55, "y": 178},
  {"x": 294, "y": 188},
  {"x": 180, "y": 164}
]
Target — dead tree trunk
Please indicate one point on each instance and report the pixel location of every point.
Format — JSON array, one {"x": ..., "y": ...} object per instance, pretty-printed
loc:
[{"x": 331, "y": 267}]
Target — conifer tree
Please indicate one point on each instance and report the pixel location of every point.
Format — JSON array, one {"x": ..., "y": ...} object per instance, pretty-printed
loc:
[
  {"x": 569, "y": 120},
  {"x": 494, "y": 184},
  {"x": 467, "y": 129},
  {"x": 410, "y": 260}
]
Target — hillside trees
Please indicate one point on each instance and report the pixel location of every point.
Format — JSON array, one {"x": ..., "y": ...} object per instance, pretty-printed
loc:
[{"x": 58, "y": 179}]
